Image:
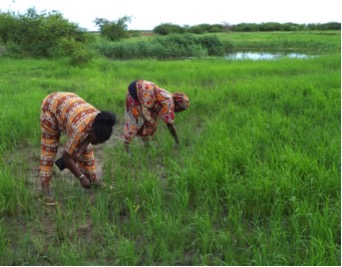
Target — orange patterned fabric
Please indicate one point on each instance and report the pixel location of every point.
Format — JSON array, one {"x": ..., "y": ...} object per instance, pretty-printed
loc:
[
  {"x": 141, "y": 116},
  {"x": 68, "y": 113}
]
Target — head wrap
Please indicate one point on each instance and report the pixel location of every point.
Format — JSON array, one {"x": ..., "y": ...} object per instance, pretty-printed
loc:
[{"x": 182, "y": 100}]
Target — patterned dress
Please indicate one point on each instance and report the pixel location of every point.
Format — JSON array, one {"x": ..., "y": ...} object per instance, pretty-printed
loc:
[
  {"x": 70, "y": 114},
  {"x": 142, "y": 113}
]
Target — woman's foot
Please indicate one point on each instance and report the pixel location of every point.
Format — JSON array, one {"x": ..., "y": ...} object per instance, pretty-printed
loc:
[
  {"x": 46, "y": 196},
  {"x": 47, "y": 199}
]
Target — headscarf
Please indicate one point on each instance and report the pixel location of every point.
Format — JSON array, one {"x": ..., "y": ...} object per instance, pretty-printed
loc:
[{"x": 181, "y": 99}]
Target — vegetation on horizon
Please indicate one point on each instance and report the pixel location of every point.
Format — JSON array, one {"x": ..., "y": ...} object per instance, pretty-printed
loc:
[
  {"x": 170, "y": 28},
  {"x": 49, "y": 35}
]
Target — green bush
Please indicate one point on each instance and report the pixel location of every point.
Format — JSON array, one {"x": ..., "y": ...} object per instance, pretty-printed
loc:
[
  {"x": 206, "y": 28},
  {"x": 113, "y": 30},
  {"x": 15, "y": 50},
  {"x": 168, "y": 28},
  {"x": 187, "y": 45},
  {"x": 65, "y": 47},
  {"x": 172, "y": 46},
  {"x": 37, "y": 35},
  {"x": 178, "y": 39},
  {"x": 81, "y": 56},
  {"x": 213, "y": 45},
  {"x": 227, "y": 46},
  {"x": 3, "y": 50},
  {"x": 181, "y": 45}
]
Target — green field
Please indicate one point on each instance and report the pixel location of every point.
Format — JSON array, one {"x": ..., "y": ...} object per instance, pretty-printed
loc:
[{"x": 256, "y": 179}]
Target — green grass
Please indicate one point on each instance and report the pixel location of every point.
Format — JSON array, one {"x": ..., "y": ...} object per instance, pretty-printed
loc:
[
  {"x": 255, "y": 181},
  {"x": 310, "y": 41}
]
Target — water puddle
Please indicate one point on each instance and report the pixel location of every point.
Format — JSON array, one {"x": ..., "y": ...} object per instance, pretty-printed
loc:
[{"x": 263, "y": 56}]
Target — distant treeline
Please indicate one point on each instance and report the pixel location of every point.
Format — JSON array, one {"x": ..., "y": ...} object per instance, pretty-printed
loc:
[
  {"x": 169, "y": 28},
  {"x": 50, "y": 35}
]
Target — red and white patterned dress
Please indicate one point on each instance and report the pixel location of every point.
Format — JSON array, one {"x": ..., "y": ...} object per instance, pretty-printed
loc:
[{"x": 141, "y": 116}]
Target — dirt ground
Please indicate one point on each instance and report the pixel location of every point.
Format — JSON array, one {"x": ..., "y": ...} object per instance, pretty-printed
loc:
[{"x": 30, "y": 158}]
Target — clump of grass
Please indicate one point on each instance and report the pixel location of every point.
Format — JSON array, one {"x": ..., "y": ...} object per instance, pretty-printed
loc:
[{"x": 14, "y": 198}]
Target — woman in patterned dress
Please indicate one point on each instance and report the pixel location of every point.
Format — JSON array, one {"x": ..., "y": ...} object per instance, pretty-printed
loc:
[
  {"x": 84, "y": 126},
  {"x": 146, "y": 102}
]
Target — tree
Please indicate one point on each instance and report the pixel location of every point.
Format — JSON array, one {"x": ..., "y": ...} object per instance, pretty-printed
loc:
[
  {"x": 7, "y": 21},
  {"x": 36, "y": 34},
  {"x": 113, "y": 30},
  {"x": 168, "y": 28}
]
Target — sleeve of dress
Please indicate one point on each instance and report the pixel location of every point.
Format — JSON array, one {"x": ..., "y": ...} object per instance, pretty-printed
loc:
[{"x": 74, "y": 139}]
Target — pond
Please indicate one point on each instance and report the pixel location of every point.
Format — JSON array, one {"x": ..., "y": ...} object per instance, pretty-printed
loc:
[{"x": 263, "y": 55}]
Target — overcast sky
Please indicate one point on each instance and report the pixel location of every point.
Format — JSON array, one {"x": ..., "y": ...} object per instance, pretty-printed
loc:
[{"x": 146, "y": 14}]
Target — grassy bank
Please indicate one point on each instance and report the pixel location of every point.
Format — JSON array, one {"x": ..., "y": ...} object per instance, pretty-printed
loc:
[
  {"x": 308, "y": 42},
  {"x": 179, "y": 46},
  {"x": 255, "y": 181}
]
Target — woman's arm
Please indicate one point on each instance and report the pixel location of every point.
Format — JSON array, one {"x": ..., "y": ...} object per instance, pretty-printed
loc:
[
  {"x": 173, "y": 132},
  {"x": 71, "y": 165},
  {"x": 126, "y": 146}
]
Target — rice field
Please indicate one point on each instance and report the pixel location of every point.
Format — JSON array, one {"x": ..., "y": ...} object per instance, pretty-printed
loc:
[{"x": 256, "y": 179}]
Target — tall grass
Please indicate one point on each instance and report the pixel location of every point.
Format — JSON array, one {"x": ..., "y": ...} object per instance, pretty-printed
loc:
[{"x": 255, "y": 180}]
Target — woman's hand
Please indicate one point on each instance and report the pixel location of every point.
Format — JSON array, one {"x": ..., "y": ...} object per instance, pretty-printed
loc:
[
  {"x": 71, "y": 165},
  {"x": 85, "y": 182}
]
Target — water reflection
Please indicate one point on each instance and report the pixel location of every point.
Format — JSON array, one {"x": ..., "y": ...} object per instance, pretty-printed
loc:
[{"x": 262, "y": 55}]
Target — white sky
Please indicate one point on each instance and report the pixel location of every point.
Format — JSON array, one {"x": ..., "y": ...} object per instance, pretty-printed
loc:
[{"x": 147, "y": 14}]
